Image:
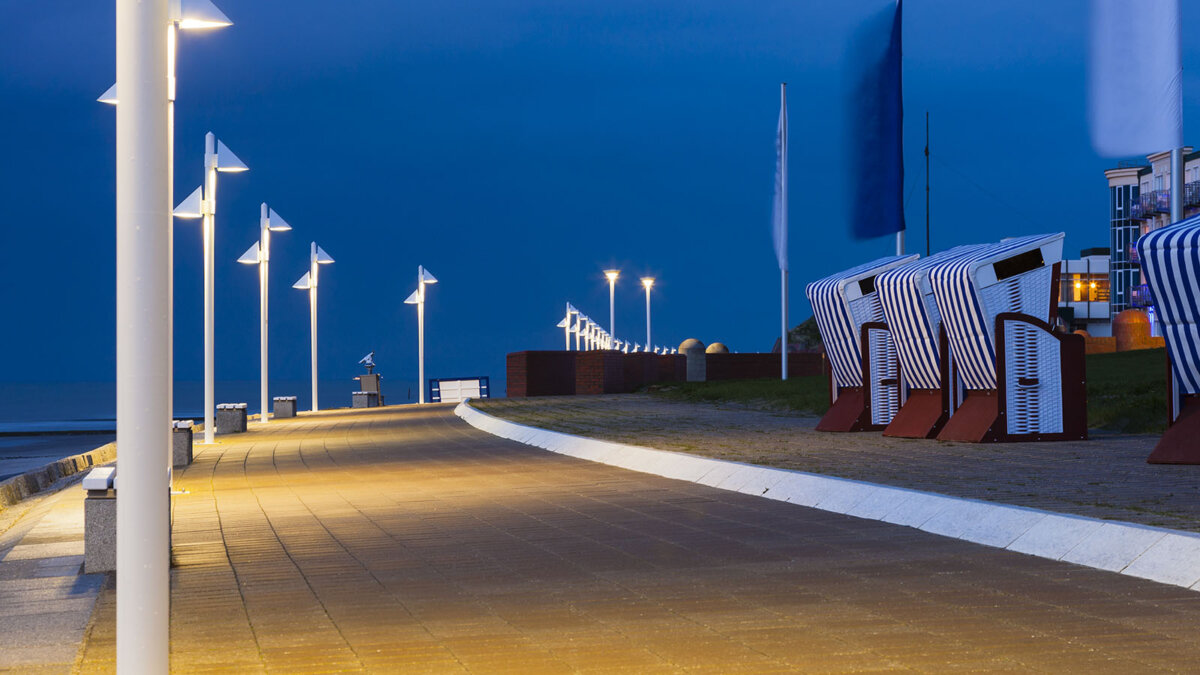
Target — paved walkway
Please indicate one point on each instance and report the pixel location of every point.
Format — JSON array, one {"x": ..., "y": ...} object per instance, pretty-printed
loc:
[
  {"x": 1106, "y": 477},
  {"x": 401, "y": 539}
]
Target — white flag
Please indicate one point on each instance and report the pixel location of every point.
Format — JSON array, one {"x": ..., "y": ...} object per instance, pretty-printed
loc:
[
  {"x": 779, "y": 216},
  {"x": 1135, "y": 77}
]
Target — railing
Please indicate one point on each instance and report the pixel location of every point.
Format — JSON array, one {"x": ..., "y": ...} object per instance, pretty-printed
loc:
[
  {"x": 1139, "y": 296},
  {"x": 1191, "y": 194},
  {"x": 1143, "y": 207},
  {"x": 1162, "y": 201}
]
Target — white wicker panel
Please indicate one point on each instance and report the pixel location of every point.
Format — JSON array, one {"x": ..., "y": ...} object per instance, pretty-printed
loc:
[
  {"x": 866, "y": 309},
  {"x": 1030, "y": 352},
  {"x": 1002, "y": 296},
  {"x": 885, "y": 365},
  {"x": 1035, "y": 292}
]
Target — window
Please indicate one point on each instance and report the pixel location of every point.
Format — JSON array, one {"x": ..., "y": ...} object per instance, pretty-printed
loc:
[{"x": 1158, "y": 182}]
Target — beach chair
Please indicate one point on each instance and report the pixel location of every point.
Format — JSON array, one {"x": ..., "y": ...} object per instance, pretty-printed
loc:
[
  {"x": 912, "y": 319},
  {"x": 1170, "y": 259},
  {"x": 843, "y": 305},
  {"x": 1011, "y": 376}
]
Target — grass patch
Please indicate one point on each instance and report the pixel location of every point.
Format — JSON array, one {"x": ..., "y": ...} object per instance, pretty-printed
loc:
[
  {"x": 1127, "y": 392},
  {"x": 800, "y": 394}
]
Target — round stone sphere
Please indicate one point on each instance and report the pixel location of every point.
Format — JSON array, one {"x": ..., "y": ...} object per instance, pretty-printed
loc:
[
  {"x": 1131, "y": 328},
  {"x": 717, "y": 348},
  {"x": 690, "y": 343}
]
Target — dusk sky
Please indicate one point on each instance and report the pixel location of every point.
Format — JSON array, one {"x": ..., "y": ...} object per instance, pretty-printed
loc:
[{"x": 517, "y": 149}]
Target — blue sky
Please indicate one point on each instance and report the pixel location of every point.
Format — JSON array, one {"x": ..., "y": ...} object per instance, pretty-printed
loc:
[{"x": 517, "y": 149}]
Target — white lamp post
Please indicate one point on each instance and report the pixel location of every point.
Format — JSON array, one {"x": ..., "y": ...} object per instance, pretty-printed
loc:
[
  {"x": 202, "y": 203},
  {"x": 317, "y": 256},
  {"x": 566, "y": 324},
  {"x": 260, "y": 254},
  {"x": 648, "y": 282},
  {"x": 612, "y": 275},
  {"x": 418, "y": 298}
]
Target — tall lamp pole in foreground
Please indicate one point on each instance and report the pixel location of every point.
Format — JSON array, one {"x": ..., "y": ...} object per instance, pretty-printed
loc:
[
  {"x": 647, "y": 282},
  {"x": 143, "y": 335},
  {"x": 418, "y": 298},
  {"x": 612, "y": 275},
  {"x": 202, "y": 203},
  {"x": 317, "y": 256},
  {"x": 260, "y": 254}
]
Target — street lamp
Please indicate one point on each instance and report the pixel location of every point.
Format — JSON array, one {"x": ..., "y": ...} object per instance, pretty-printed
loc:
[
  {"x": 260, "y": 254},
  {"x": 612, "y": 291},
  {"x": 317, "y": 256},
  {"x": 202, "y": 203},
  {"x": 418, "y": 298},
  {"x": 647, "y": 282},
  {"x": 565, "y": 324}
]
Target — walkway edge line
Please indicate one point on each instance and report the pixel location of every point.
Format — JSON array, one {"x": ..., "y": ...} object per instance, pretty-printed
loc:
[{"x": 1154, "y": 553}]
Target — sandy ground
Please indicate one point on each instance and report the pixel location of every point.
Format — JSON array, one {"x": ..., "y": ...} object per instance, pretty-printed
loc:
[{"x": 1106, "y": 477}]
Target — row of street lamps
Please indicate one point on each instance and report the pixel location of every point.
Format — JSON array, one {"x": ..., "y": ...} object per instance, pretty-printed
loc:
[{"x": 593, "y": 336}]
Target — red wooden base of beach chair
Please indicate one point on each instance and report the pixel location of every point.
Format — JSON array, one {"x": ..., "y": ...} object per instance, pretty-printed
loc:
[
  {"x": 848, "y": 413},
  {"x": 975, "y": 420},
  {"x": 922, "y": 416},
  {"x": 1180, "y": 444}
]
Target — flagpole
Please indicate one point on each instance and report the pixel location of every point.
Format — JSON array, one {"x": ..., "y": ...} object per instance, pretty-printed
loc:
[
  {"x": 1176, "y": 185},
  {"x": 927, "y": 183},
  {"x": 783, "y": 273}
]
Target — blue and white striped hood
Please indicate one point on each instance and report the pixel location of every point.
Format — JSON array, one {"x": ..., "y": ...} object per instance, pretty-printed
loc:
[{"x": 1171, "y": 262}]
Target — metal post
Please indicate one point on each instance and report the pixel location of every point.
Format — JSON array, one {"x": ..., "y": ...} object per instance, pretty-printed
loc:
[
  {"x": 143, "y": 336},
  {"x": 927, "y": 184},
  {"x": 783, "y": 344},
  {"x": 171, "y": 42},
  {"x": 209, "y": 209},
  {"x": 647, "y": 315},
  {"x": 567, "y": 328},
  {"x": 1176, "y": 185},
  {"x": 312, "y": 312},
  {"x": 612, "y": 306},
  {"x": 421, "y": 332},
  {"x": 264, "y": 248}
]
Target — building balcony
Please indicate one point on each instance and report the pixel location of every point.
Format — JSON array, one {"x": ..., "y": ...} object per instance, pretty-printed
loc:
[
  {"x": 1162, "y": 201},
  {"x": 1191, "y": 194},
  {"x": 1142, "y": 208},
  {"x": 1139, "y": 296}
]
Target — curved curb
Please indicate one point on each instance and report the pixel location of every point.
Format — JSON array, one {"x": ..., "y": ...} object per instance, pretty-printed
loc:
[
  {"x": 1154, "y": 553},
  {"x": 18, "y": 488}
]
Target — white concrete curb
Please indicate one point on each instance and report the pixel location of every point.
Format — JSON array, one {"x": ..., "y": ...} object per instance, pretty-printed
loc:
[{"x": 1155, "y": 553}]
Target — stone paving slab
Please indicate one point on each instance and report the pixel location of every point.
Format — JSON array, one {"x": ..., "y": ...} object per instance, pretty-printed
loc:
[{"x": 401, "y": 539}]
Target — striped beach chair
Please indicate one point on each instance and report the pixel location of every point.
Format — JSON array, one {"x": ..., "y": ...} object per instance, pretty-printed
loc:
[
  {"x": 1011, "y": 376},
  {"x": 912, "y": 319},
  {"x": 843, "y": 304},
  {"x": 1170, "y": 259}
]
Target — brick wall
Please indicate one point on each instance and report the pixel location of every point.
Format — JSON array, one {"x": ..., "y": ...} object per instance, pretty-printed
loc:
[
  {"x": 600, "y": 372},
  {"x": 541, "y": 374},
  {"x": 752, "y": 366}
]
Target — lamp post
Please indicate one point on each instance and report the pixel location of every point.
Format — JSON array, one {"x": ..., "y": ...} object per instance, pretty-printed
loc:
[
  {"x": 612, "y": 275},
  {"x": 260, "y": 254},
  {"x": 566, "y": 325},
  {"x": 317, "y": 257},
  {"x": 418, "y": 298},
  {"x": 202, "y": 203},
  {"x": 647, "y": 282}
]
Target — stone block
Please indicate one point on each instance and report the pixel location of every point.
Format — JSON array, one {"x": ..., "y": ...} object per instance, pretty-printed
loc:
[
  {"x": 364, "y": 399},
  {"x": 181, "y": 443},
  {"x": 285, "y": 406},
  {"x": 231, "y": 418},
  {"x": 100, "y": 531}
]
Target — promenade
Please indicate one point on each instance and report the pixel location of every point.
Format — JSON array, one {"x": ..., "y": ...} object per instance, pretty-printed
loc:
[{"x": 401, "y": 539}]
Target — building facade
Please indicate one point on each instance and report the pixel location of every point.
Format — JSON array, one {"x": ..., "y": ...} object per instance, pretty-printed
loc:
[
  {"x": 1139, "y": 201},
  {"x": 1084, "y": 297}
]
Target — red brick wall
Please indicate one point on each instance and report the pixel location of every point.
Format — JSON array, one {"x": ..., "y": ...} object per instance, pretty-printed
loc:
[
  {"x": 540, "y": 374},
  {"x": 600, "y": 372},
  {"x": 751, "y": 366}
]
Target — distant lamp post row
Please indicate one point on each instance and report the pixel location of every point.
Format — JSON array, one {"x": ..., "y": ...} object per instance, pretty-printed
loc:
[
  {"x": 590, "y": 334},
  {"x": 424, "y": 277}
]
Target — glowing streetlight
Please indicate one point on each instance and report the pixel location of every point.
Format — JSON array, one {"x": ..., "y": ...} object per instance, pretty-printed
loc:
[
  {"x": 418, "y": 298},
  {"x": 317, "y": 257},
  {"x": 202, "y": 203},
  {"x": 647, "y": 282},
  {"x": 612, "y": 275},
  {"x": 260, "y": 254}
]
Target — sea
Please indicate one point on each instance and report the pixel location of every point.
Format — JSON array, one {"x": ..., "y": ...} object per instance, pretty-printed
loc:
[{"x": 41, "y": 422}]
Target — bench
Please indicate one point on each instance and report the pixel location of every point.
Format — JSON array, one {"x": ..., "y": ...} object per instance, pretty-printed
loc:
[
  {"x": 100, "y": 520},
  {"x": 231, "y": 418},
  {"x": 284, "y": 406},
  {"x": 181, "y": 443}
]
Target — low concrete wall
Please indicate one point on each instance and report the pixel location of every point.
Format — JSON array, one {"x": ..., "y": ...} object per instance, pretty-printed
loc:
[{"x": 20, "y": 487}]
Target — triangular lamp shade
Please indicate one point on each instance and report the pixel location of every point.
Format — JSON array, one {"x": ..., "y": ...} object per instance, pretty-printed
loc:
[
  {"x": 109, "y": 96},
  {"x": 190, "y": 207},
  {"x": 227, "y": 161},
  {"x": 427, "y": 277},
  {"x": 250, "y": 257},
  {"x": 571, "y": 308},
  {"x": 201, "y": 14},
  {"x": 303, "y": 284},
  {"x": 562, "y": 324},
  {"x": 323, "y": 257},
  {"x": 412, "y": 299},
  {"x": 276, "y": 224}
]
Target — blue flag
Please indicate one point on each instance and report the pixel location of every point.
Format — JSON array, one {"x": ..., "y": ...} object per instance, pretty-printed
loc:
[{"x": 875, "y": 144}]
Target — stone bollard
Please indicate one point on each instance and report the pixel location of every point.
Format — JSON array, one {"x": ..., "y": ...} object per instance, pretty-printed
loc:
[
  {"x": 231, "y": 418},
  {"x": 181, "y": 443},
  {"x": 697, "y": 360},
  {"x": 100, "y": 521},
  {"x": 364, "y": 399},
  {"x": 285, "y": 406}
]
